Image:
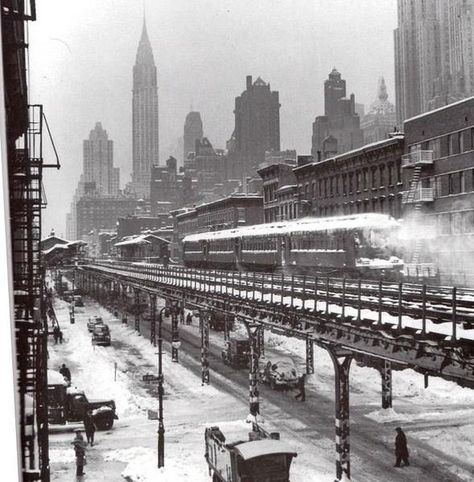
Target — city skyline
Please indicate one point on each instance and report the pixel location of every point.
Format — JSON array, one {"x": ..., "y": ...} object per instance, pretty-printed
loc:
[{"x": 186, "y": 76}]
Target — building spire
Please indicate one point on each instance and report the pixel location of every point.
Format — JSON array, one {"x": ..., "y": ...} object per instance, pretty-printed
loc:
[
  {"x": 382, "y": 90},
  {"x": 144, "y": 52}
]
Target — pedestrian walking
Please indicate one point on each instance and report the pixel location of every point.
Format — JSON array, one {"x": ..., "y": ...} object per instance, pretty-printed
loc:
[
  {"x": 80, "y": 450},
  {"x": 401, "y": 449},
  {"x": 302, "y": 394},
  {"x": 56, "y": 334},
  {"x": 65, "y": 372},
  {"x": 89, "y": 427},
  {"x": 60, "y": 335},
  {"x": 189, "y": 319}
]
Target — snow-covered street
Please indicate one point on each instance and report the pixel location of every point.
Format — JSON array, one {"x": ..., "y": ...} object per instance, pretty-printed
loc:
[{"x": 438, "y": 421}]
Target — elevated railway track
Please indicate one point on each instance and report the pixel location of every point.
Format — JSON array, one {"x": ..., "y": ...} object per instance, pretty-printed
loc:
[{"x": 390, "y": 325}]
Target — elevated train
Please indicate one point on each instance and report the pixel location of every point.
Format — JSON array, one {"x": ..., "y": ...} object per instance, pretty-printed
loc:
[{"x": 355, "y": 245}]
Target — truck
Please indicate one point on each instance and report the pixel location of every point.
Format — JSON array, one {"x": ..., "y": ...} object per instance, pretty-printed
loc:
[
  {"x": 236, "y": 352},
  {"x": 69, "y": 404},
  {"x": 218, "y": 321},
  {"x": 261, "y": 458},
  {"x": 101, "y": 335}
]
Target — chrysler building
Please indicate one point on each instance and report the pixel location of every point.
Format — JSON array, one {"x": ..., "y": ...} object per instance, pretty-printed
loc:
[{"x": 145, "y": 117}]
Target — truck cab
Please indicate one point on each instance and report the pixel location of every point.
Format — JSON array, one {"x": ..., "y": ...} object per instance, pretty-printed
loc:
[
  {"x": 236, "y": 352},
  {"x": 67, "y": 404}
]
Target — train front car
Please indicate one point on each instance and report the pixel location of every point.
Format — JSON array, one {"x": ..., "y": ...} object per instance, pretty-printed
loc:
[
  {"x": 377, "y": 248},
  {"x": 364, "y": 245}
]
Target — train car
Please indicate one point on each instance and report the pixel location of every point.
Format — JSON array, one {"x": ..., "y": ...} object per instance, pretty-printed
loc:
[
  {"x": 359, "y": 244},
  {"x": 254, "y": 460}
]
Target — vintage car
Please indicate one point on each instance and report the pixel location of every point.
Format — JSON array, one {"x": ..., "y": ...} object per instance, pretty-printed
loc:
[
  {"x": 92, "y": 322},
  {"x": 280, "y": 372},
  {"x": 101, "y": 335},
  {"x": 236, "y": 352},
  {"x": 78, "y": 301}
]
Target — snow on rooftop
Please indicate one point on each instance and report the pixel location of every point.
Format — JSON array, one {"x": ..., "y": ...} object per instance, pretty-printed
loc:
[
  {"x": 361, "y": 149},
  {"x": 439, "y": 109},
  {"x": 354, "y": 221},
  {"x": 257, "y": 448}
]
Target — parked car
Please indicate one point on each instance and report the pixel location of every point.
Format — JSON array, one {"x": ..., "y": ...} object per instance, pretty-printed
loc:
[
  {"x": 92, "y": 322},
  {"x": 78, "y": 301},
  {"x": 236, "y": 352},
  {"x": 101, "y": 335},
  {"x": 280, "y": 372}
]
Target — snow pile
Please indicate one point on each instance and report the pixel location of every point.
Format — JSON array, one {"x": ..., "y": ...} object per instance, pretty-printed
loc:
[
  {"x": 142, "y": 465},
  {"x": 61, "y": 456}
]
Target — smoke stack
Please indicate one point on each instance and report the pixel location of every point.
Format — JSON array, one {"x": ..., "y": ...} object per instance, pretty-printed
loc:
[{"x": 249, "y": 82}]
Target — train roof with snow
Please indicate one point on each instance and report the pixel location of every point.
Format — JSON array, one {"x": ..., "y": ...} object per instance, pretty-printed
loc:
[{"x": 372, "y": 221}]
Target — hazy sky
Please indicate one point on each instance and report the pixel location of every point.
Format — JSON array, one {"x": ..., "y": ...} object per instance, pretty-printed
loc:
[{"x": 82, "y": 54}]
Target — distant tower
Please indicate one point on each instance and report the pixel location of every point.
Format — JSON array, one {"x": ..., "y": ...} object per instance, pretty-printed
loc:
[
  {"x": 98, "y": 171},
  {"x": 192, "y": 132},
  {"x": 257, "y": 127},
  {"x": 338, "y": 130},
  {"x": 380, "y": 121},
  {"x": 145, "y": 117}
]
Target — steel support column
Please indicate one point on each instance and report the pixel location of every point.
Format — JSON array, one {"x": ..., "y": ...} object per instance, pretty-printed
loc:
[
  {"x": 309, "y": 356},
  {"x": 137, "y": 313},
  {"x": 204, "y": 329},
  {"x": 174, "y": 333},
  {"x": 342, "y": 362},
  {"x": 253, "y": 330},
  {"x": 386, "y": 373},
  {"x": 261, "y": 342},
  {"x": 153, "y": 320}
]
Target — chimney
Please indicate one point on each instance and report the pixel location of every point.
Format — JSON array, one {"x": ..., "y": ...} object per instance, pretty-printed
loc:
[
  {"x": 249, "y": 82},
  {"x": 319, "y": 156}
]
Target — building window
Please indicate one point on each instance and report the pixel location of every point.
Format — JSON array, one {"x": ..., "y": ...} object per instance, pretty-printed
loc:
[
  {"x": 390, "y": 174},
  {"x": 373, "y": 177},
  {"x": 450, "y": 184},
  {"x": 336, "y": 182},
  {"x": 344, "y": 183},
  {"x": 351, "y": 179},
  {"x": 364, "y": 178},
  {"x": 466, "y": 140},
  {"x": 462, "y": 182},
  {"x": 382, "y": 175},
  {"x": 358, "y": 180}
]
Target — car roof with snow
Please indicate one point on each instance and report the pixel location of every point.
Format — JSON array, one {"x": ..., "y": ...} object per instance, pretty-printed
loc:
[
  {"x": 258, "y": 448},
  {"x": 55, "y": 378},
  {"x": 282, "y": 360}
]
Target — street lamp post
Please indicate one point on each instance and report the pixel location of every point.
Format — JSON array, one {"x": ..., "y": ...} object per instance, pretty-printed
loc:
[{"x": 161, "y": 426}]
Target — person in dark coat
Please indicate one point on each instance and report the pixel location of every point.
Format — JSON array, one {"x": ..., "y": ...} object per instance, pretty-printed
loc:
[
  {"x": 89, "y": 427},
  {"x": 65, "y": 372},
  {"x": 401, "y": 449},
  {"x": 80, "y": 450},
  {"x": 302, "y": 394},
  {"x": 56, "y": 334},
  {"x": 189, "y": 319}
]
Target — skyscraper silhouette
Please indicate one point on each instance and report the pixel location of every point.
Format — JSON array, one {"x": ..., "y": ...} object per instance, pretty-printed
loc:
[{"x": 145, "y": 117}]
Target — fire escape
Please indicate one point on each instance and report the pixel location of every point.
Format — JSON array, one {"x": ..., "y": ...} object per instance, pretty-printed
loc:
[
  {"x": 418, "y": 194},
  {"x": 24, "y": 129}
]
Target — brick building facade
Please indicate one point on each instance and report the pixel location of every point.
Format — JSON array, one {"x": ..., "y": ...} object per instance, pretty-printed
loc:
[
  {"x": 368, "y": 179},
  {"x": 440, "y": 198}
]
